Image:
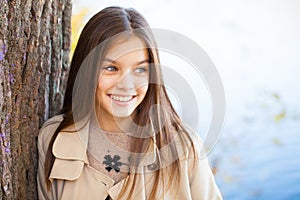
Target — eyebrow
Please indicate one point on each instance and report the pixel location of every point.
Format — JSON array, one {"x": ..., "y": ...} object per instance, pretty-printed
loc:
[{"x": 115, "y": 62}]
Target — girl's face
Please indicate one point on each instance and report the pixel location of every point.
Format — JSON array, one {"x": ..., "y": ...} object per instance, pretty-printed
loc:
[{"x": 123, "y": 80}]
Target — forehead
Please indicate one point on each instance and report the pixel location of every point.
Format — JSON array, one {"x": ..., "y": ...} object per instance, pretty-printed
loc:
[{"x": 121, "y": 48}]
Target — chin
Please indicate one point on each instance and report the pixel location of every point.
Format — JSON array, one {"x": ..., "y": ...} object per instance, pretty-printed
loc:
[{"x": 122, "y": 114}]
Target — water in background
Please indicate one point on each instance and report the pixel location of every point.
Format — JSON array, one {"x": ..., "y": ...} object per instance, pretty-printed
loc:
[{"x": 258, "y": 156}]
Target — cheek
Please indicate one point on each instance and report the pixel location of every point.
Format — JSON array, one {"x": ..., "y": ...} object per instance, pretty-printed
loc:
[
  {"x": 104, "y": 84},
  {"x": 142, "y": 83},
  {"x": 143, "y": 86},
  {"x": 143, "y": 90}
]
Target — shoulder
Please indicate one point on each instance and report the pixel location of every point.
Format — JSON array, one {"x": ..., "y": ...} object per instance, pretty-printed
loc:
[
  {"x": 47, "y": 130},
  {"x": 189, "y": 142},
  {"x": 184, "y": 145},
  {"x": 195, "y": 166}
]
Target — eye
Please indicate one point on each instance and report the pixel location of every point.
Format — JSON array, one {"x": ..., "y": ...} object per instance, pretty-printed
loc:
[
  {"x": 141, "y": 70},
  {"x": 110, "y": 68}
]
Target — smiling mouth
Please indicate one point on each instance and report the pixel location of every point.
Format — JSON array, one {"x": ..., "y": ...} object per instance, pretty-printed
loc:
[{"x": 122, "y": 98}]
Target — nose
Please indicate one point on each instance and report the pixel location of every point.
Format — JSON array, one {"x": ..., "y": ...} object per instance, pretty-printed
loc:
[{"x": 126, "y": 82}]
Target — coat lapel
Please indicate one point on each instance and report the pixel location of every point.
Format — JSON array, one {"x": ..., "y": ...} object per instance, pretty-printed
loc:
[{"x": 69, "y": 149}]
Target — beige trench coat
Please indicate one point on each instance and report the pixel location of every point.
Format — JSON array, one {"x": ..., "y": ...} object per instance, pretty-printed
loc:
[{"x": 73, "y": 178}]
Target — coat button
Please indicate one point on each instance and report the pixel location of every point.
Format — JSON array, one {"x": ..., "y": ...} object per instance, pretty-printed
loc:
[{"x": 152, "y": 167}]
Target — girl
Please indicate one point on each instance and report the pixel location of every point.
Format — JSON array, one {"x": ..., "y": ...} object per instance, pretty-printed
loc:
[{"x": 118, "y": 135}]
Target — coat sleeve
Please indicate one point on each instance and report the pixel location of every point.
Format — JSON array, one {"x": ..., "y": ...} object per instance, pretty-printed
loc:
[
  {"x": 43, "y": 193},
  {"x": 45, "y": 135},
  {"x": 202, "y": 182}
]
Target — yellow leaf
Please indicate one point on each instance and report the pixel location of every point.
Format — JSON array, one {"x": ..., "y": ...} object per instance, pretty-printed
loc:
[
  {"x": 77, "y": 25},
  {"x": 276, "y": 141},
  {"x": 280, "y": 116},
  {"x": 276, "y": 96}
]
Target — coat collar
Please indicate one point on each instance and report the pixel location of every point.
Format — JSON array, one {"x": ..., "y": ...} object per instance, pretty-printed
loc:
[
  {"x": 70, "y": 151},
  {"x": 72, "y": 145}
]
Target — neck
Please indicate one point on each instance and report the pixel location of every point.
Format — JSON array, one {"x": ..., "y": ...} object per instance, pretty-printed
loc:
[{"x": 113, "y": 124}]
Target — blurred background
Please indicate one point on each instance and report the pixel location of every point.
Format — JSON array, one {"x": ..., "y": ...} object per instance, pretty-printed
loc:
[{"x": 255, "y": 46}]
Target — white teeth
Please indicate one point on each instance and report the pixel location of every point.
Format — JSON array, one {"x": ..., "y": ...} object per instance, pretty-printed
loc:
[{"x": 123, "y": 99}]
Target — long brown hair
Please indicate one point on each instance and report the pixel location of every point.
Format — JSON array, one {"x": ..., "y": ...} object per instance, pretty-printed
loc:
[{"x": 107, "y": 23}]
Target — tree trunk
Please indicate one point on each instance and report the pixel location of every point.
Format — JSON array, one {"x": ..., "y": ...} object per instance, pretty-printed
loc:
[{"x": 34, "y": 61}]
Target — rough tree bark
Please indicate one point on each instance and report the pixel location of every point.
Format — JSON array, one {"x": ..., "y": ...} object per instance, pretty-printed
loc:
[{"x": 34, "y": 60}]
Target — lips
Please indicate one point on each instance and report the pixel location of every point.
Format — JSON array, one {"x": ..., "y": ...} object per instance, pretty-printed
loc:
[{"x": 122, "y": 98}]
